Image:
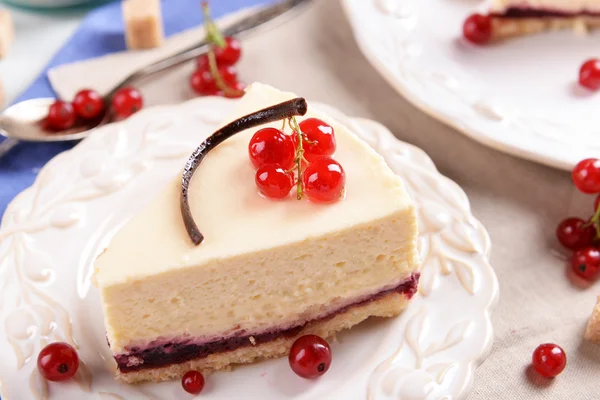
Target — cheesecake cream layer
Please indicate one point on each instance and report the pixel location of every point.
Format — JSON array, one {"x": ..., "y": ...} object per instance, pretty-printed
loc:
[
  {"x": 263, "y": 263},
  {"x": 161, "y": 353},
  {"x": 533, "y": 8}
]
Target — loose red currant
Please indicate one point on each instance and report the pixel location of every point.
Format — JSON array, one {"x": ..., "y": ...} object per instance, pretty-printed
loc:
[
  {"x": 238, "y": 91},
  {"x": 230, "y": 54},
  {"x": 549, "y": 360},
  {"x": 271, "y": 146},
  {"x": 324, "y": 180},
  {"x": 589, "y": 74},
  {"x": 585, "y": 263},
  {"x": 573, "y": 234},
  {"x": 61, "y": 115},
  {"x": 88, "y": 104},
  {"x": 193, "y": 382},
  {"x": 319, "y": 139},
  {"x": 478, "y": 28},
  {"x": 203, "y": 82},
  {"x": 273, "y": 181},
  {"x": 127, "y": 101},
  {"x": 310, "y": 356},
  {"x": 586, "y": 175},
  {"x": 58, "y": 361}
]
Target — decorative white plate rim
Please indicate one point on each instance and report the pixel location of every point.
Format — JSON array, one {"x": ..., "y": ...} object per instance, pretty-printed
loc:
[
  {"x": 81, "y": 197},
  {"x": 491, "y": 123}
]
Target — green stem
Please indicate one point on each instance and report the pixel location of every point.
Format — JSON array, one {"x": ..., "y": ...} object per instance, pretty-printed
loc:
[
  {"x": 212, "y": 31},
  {"x": 299, "y": 156},
  {"x": 595, "y": 221},
  {"x": 214, "y": 70}
]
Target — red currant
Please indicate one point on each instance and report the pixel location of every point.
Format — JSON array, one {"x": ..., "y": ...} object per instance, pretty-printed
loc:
[
  {"x": 310, "y": 356},
  {"x": 202, "y": 62},
  {"x": 203, "y": 82},
  {"x": 272, "y": 146},
  {"x": 585, "y": 263},
  {"x": 58, "y": 361},
  {"x": 238, "y": 91},
  {"x": 586, "y": 175},
  {"x": 127, "y": 101},
  {"x": 230, "y": 54},
  {"x": 319, "y": 139},
  {"x": 589, "y": 74},
  {"x": 61, "y": 115},
  {"x": 478, "y": 28},
  {"x": 324, "y": 180},
  {"x": 549, "y": 360},
  {"x": 229, "y": 74},
  {"x": 193, "y": 382},
  {"x": 573, "y": 234},
  {"x": 88, "y": 104},
  {"x": 273, "y": 181}
]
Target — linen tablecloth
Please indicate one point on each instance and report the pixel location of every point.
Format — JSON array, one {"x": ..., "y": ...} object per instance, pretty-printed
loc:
[{"x": 519, "y": 202}]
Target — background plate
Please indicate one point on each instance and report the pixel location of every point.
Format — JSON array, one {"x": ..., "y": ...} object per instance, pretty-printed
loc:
[
  {"x": 519, "y": 96},
  {"x": 52, "y": 232}
]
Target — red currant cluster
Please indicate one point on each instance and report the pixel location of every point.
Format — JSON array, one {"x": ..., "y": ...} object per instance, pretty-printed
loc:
[
  {"x": 478, "y": 29},
  {"x": 215, "y": 73},
  {"x": 282, "y": 161},
  {"x": 579, "y": 235},
  {"x": 89, "y": 105}
]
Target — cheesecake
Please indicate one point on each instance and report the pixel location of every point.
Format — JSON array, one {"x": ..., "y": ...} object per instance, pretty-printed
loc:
[
  {"x": 512, "y": 18},
  {"x": 264, "y": 272}
]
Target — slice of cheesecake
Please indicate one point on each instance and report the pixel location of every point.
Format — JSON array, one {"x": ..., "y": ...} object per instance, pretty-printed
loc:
[
  {"x": 267, "y": 271},
  {"x": 522, "y": 17}
]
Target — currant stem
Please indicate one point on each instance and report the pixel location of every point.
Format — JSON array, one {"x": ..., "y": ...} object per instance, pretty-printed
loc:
[
  {"x": 212, "y": 32},
  {"x": 595, "y": 222},
  {"x": 299, "y": 156}
]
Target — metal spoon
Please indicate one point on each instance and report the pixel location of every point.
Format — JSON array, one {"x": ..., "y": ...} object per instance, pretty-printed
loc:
[{"x": 21, "y": 121}]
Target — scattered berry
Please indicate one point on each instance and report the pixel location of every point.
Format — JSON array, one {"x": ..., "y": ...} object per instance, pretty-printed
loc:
[
  {"x": 585, "y": 263},
  {"x": 324, "y": 180},
  {"x": 310, "y": 356},
  {"x": 193, "y": 382},
  {"x": 61, "y": 115},
  {"x": 230, "y": 54},
  {"x": 549, "y": 360},
  {"x": 478, "y": 28},
  {"x": 127, "y": 101},
  {"x": 88, "y": 104},
  {"x": 589, "y": 74},
  {"x": 203, "y": 82},
  {"x": 319, "y": 139},
  {"x": 273, "y": 181},
  {"x": 58, "y": 362},
  {"x": 573, "y": 234},
  {"x": 586, "y": 176},
  {"x": 272, "y": 146}
]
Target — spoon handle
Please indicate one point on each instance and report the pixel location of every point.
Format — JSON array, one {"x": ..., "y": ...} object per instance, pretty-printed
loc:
[{"x": 6, "y": 145}]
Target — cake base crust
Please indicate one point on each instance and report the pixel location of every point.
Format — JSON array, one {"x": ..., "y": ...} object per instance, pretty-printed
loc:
[
  {"x": 506, "y": 27},
  {"x": 592, "y": 332},
  {"x": 388, "y": 306}
]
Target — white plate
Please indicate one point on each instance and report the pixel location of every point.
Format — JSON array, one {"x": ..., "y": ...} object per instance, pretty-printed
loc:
[
  {"x": 519, "y": 96},
  {"x": 52, "y": 232}
]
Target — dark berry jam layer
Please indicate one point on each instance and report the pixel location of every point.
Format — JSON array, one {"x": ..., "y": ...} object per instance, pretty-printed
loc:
[
  {"x": 523, "y": 12},
  {"x": 175, "y": 353}
]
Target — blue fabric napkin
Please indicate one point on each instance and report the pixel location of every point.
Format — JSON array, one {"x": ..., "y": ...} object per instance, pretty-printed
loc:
[{"x": 100, "y": 33}]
